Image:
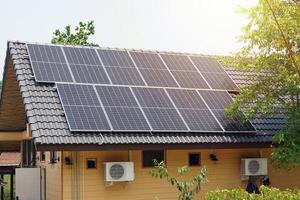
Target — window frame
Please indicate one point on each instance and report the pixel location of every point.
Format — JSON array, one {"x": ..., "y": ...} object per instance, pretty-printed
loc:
[
  {"x": 42, "y": 156},
  {"x": 95, "y": 160},
  {"x": 149, "y": 166},
  {"x": 199, "y": 161},
  {"x": 53, "y": 157}
]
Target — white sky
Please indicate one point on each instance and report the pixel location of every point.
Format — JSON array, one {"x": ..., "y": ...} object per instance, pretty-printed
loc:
[{"x": 196, "y": 26}]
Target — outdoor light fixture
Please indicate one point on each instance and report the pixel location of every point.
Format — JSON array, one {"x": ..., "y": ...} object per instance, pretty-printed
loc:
[
  {"x": 213, "y": 157},
  {"x": 68, "y": 161}
]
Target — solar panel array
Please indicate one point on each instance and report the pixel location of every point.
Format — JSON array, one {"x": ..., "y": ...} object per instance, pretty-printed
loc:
[{"x": 122, "y": 90}]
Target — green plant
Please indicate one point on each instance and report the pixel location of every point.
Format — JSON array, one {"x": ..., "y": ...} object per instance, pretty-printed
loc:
[
  {"x": 266, "y": 194},
  {"x": 187, "y": 188},
  {"x": 79, "y": 37},
  {"x": 271, "y": 44}
]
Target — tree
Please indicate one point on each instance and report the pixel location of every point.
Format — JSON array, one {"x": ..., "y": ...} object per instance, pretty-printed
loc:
[
  {"x": 272, "y": 51},
  {"x": 80, "y": 36},
  {"x": 187, "y": 189}
]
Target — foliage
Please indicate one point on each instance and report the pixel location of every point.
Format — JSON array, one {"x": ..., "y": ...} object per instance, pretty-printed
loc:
[
  {"x": 80, "y": 37},
  {"x": 266, "y": 194},
  {"x": 187, "y": 189},
  {"x": 271, "y": 49}
]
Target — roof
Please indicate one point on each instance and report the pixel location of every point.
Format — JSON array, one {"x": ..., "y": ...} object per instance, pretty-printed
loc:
[
  {"x": 49, "y": 126},
  {"x": 10, "y": 159}
]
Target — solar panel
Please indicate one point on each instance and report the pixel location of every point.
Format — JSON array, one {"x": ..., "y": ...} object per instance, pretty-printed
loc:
[
  {"x": 124, "y": 76},
  {"x": 81, "y": 95},
  {"x": 186, "y": 99},
  {"x": 115, "y": 58},
  {"x": 159, "y": 109},
  {"x": 152, "y": 97},
  {"x": 220, "y": 81},
  {"x": 165, "y": 119},
  {"x": 187, "y": 79},
  {"x": 200, "y": 120},
  {"x": 116, "y": 96},
  {"x": 128, "y": 119},
  {"x": 147, "y": 60},
  {"x": 86, "y": 118},
  {"x": 122, "y": 109},
  {"x": 207, "y": 64},
  {"x": 218, "y": 101},
  {"x": 82, "y": 56},
  {"x": 178, "y": 62},
  {"x": 233, "y": 123},
  {"x": 82, "y": 108},
  {"x": 89, "y": 74},
  {"x": 161, "y": 78},
  {"x": 85, "y": 65},
  {"x": 48, "y": 63},
  {"x": 194, "y": 110}
]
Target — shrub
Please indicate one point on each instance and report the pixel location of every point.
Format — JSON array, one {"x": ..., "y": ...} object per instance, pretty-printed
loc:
[{"x": 266, "y": 194}]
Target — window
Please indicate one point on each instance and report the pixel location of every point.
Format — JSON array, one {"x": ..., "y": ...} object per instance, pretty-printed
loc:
[
  {"x": 91, "y": 163},
  {"x": 149, "y": 156},
  {"x": 194, "y": 159},
  {"x": 53, "y": 157},
  {"x": 42, "y": 156}
]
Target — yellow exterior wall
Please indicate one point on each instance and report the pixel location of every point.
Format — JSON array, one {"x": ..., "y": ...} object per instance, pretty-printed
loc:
[
  {"x": 53, "y": 177},
  {"x": 222, "y": 174}
]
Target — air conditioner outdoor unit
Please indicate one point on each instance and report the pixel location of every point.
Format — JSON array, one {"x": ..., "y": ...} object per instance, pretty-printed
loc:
[
  {"x": 254, "y": 166},
  {"x": 118, "y": 171}
]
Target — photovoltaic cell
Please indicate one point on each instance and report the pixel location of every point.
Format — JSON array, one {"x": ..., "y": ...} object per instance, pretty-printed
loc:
[
  {"x": 48, "y": 63},
  {"x": 186, "y": 99},
  {"x": 111, "y": 58},
  {"x": 164, "y": 119},
  {"x": 82, "y": 108},
  {"x": 51, "y": 72},
  {"x": 220, "y": 81},
  {"x": 122, "y": 109},
  {"x": 178, "y": 62},
  {"x": 73, "y": 94},
  {"x": 207, "y": 64},
  {"x": 83, "y": 118},
  {"x": 85, "y": 65},
  {"x": 233, "y": 123},
  {"x": 82, "y": 56},
  {"x": 152, "y": 97},
  {"x": 124, "y": 76},
  {"x": 200, "y": 120},
  {"x": 161, "y": 78},
  {"x": 193, "y": 110},
  {"x": 187, "y": 79},
  {"x": 45, "y": 53},
  {"x": 124, "y": 118},
  {"x": 147, "y": 60},
  {"x": 216, "y": 99},
  {"x": 116, "y": 96},
  {"x": 89, "y": 74}
]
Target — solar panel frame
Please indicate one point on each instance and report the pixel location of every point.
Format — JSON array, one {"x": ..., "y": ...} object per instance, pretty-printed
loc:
[
  {"x": 77, "y": 105},
  {"x": 125, "y": 76},
  {"x": 148, "y": 60},
  {"x": 114, "y": 60},
  {"x": 177, "y": 62},
  {"x": 160, "y": 78},
  {"x": 68, "y": 76}
]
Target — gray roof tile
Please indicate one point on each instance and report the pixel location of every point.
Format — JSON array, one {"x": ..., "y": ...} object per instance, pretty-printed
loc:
[{"x": 49, "y": 126}]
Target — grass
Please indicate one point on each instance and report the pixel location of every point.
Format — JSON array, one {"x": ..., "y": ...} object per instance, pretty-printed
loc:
[{"x": 7, "y": 187}]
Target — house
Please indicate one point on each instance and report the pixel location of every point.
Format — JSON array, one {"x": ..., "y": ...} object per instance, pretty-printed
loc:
[{"x": 71, "y": 111}]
